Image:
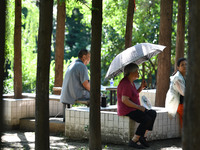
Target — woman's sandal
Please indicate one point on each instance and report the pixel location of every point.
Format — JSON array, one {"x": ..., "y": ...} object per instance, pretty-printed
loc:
[
  {"x": 135, "y": 144},
  {"x": 143, "y": 141}
]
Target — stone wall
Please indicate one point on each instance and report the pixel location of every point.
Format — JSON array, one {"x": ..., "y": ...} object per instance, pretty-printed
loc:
[
  {"x": 15, "y": 109},
  {"x": 118, "y": 129}
]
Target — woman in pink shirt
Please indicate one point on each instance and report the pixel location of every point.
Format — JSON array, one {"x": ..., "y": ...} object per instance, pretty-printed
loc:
[{"x": 128, "y": 104}]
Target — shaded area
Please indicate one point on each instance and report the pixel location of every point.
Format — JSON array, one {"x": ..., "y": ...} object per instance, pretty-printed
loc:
[
  {"x": 2, "y": 59},
  {"x": 25, "y": 140}
]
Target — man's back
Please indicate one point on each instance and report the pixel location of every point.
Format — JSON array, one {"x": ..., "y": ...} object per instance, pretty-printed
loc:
[{"x": 72, "y": 88}]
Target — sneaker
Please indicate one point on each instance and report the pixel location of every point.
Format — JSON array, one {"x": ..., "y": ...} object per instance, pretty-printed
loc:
[
  {"x": 135, "y": 145},
  {"x": 143, "y": 141}
]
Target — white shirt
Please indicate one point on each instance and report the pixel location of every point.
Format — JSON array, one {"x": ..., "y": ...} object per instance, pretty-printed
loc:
[{"x": 177, "y": 88}]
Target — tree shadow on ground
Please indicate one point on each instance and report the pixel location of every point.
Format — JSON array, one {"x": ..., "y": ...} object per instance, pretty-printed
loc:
[{"x": 26, "y": 140}]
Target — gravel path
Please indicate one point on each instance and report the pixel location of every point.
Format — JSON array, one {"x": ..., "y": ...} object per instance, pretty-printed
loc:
[{"x": 25, "y": 140}]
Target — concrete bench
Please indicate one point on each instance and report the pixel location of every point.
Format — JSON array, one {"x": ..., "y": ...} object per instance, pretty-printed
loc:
[
  {"x": 118, "y": 129},
  {"x": 57, "y": 98},
  {"x": 15, "y": 109}
]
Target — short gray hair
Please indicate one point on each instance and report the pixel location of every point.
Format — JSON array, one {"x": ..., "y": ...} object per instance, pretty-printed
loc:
[{"x": 130, "y": 68}]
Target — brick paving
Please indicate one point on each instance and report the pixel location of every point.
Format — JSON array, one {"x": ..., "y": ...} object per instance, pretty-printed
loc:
[{"x": 25, "y": 140}]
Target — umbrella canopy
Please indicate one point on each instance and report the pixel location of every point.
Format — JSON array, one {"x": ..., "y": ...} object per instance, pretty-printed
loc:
[{"x": 136, "y": 54}]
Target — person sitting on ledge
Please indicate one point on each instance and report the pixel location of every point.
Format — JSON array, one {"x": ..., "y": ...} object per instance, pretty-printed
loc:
[
  {"x": 175, "y": 95},
  {"x": 76, "y": 84},
  {"x": 128, "y": 104}
]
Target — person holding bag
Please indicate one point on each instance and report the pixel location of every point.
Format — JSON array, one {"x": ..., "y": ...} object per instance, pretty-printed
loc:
[{"x": 175, "y": 95}]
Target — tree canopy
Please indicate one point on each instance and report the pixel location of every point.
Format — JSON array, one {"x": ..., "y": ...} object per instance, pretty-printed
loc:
[{"x": 78, "y": 35}]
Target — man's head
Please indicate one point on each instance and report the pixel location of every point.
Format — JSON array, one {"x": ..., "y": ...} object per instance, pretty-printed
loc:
[{"x": 84, "y": 55}]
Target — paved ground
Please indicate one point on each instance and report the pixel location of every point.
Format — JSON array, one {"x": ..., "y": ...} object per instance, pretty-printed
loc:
[{"x": 25, "y": 140}]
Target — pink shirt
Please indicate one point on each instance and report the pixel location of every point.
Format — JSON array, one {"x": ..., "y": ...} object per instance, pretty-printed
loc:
[{"x": 125, "y": 88}]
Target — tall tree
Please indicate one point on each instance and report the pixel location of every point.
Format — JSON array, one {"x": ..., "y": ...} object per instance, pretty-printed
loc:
[
  {"x": 77, "y": 33},
  {"x": 164, "y": 58},
  {"x": 60, "y": 37},
  {"x": 95, "y": 124},
  {"x": 42, "y": 81},
  {"x": 129, "y": 23},
  {"x": 2, "y": 58},
  {"x": 191, "y": 118},
  {"x": 17, "y": 51},
  {"x": 180, "y": 38}
]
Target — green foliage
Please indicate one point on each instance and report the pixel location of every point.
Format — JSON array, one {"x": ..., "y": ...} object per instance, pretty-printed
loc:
[
  {"x": 114, "y": 15},
  {"x": 10, "y": 32},
  {"x": 9, "y": 53},
  {"x": 51, "y": 76},
  {"x": 146, "y": 24},
  {"x": 145, "y": 29},
  {"x": 112, "y": 45},
  {"x": 8, "y": 84},
  {"x": 30, "y": 23},
  {"x": 78, "y": 35},
  {"x": 29, "y": 45}
]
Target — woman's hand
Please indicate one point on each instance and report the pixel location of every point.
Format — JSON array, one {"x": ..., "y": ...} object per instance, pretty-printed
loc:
[
  {"x": 129, "y": 103},
  {"x": 143, "y": 84},
  {"x": 142, "y": 108}
]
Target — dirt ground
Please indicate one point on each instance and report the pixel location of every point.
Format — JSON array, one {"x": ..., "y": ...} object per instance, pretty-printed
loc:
[{"x": 12, "y": 140}]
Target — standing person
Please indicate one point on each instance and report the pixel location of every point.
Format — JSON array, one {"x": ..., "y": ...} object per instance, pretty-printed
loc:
[
  {"x": 128, "y": 104},
  {"x": 76, "y": 84},
  {"x": 175, "y": 95}
]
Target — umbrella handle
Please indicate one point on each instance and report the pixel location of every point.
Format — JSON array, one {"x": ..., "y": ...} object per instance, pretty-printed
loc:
[{"x": 141, "y": 74}]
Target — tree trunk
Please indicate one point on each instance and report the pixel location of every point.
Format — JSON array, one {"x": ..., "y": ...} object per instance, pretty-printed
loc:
[
  {"x": 42, "y": 82},
  {"x": 180, "y": 38},
  {"x": 17, "y": 52},
  {"x": 191, "y": 120},
  {"x": 129, "y": 24},
  {"x": 95, "y": 124},
  {"x": 60, "y": 37},
  {"x": 164, "y": 58},
  {"x": 2, "y": 58}
]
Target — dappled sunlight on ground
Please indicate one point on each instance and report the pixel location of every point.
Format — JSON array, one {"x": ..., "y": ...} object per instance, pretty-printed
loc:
[{"x": 25, "y": 140}]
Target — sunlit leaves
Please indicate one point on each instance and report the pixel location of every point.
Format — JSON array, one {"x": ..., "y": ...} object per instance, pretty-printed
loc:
[{"x": 146, "y": 24}]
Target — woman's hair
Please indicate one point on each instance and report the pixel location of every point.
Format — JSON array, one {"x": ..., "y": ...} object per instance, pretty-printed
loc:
[
  {"x": 180, "y": 60},
  {"x": 130, "y": 68},
  {"x": 178, "y": 64},
  {"x": 82, "y": 52}
]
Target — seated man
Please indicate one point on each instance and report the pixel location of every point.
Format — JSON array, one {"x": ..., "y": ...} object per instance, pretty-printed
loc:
[{"x": 76, "y": 84}]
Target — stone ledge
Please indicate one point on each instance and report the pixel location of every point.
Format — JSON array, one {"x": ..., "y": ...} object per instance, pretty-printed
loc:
[
  {"x": 118, "y": 129},
  {"x": 56, "y": 125},
  {"x": 15, "y": 109}
]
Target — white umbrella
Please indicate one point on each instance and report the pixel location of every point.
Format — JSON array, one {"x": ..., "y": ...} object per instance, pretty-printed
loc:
[{"x": 136, "y": 54}]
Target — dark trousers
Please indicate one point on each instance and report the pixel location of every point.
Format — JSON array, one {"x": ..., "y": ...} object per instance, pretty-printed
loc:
[{"x": 146, "y": 120}]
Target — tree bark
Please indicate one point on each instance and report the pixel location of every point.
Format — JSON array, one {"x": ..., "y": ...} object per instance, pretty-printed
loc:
[
  {"x": 60, "y": 37},
  {"x": 2, "y": 58},
  {"x": 164, "y": 58},
  {"x": 17, "y": 51},
  {"x": 129, "y": 24},
  {"x": 180, "y": 37},
  {"x": 191, "y": 120},
  {"x": 95, "y": 124},
  {"x": 42, "y": 82}
]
